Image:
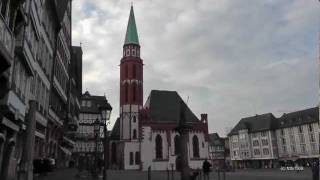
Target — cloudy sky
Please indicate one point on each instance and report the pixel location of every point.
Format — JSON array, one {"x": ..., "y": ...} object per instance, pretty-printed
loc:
[{"x": 232, "y": 58}]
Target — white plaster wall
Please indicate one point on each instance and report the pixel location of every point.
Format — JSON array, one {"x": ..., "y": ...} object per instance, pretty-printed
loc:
[
  {"x": 125, "y": 121},
  {"x": 131, "y": 147},
  {"x": 203, "y": 150},
  {"x": 148, "y": 147},
  {"x": 146, "y": 150},
  {"x": 297, "y": 140},
  {"x": 165, "y": 148}
]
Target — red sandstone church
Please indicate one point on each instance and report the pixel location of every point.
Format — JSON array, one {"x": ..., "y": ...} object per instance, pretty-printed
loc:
[{"x": 145, "y": 136}]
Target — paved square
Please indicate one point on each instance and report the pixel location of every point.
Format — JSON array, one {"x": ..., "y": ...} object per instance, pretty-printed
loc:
[{"x": 252, "y": 174}]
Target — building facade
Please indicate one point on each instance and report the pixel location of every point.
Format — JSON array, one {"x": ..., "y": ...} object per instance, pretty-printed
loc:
[
  {"x": 253, "y": 142},
  {"x": 29, "y": 32},
  {"x": 298, "y": 136},
  {"x": 145, "y": 136},
  {"x": 218, "y": 151},
  {"x": 263, "y": 141},
  {"x": 87, "y": 144}
]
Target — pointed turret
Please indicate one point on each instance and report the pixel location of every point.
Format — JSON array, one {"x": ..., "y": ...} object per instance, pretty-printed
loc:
[{"x": 131, "y": 34}]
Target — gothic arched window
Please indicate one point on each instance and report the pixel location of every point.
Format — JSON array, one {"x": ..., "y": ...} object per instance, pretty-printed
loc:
[
  {"x": 177, "y": 145},
  {"x": 158, "y": 147},
  {"x": 195, "y": 144},
  {"x": 134, "y": 134}
]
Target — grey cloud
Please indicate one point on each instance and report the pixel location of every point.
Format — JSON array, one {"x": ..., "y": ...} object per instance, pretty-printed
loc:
[{"x": 232, "y": 58}]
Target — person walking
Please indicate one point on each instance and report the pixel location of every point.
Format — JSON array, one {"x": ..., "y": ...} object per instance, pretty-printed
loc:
[{"x": 206, "y": 169}]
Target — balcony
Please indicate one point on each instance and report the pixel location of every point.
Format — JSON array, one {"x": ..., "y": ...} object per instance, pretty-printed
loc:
[{"x": 6, "y": 45}]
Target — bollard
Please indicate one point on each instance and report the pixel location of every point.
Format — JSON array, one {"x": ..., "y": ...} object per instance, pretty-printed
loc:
[{"x": 149, "y": 173}]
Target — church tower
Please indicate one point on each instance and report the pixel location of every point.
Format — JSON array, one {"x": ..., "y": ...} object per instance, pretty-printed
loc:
[{"x": 131, "y": 83}]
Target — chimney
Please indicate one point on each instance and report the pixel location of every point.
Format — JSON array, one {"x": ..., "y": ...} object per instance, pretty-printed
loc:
[{"x": 204, "y": 118}]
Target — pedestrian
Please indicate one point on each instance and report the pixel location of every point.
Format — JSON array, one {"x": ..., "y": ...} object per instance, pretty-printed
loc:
[
  {"x": 206, "y": 169},
  {"x": 315, "y": 170}
]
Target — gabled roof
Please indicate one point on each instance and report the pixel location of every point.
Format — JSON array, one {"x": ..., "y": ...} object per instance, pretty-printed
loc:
[
  {"x": 96, "y": 103},
  {"x": 166, "y": 106},
  {"x": 297, "y": 118},
  {"x": 215, "y": 140},
  {"x": 256, "y": 123},
  {"x": 131, "y": 34}
]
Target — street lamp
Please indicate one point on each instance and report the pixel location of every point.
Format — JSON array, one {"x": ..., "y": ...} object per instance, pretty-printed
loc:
[
  {"x": 105, "y": 117},
  {"x": 96, "y": 130}
]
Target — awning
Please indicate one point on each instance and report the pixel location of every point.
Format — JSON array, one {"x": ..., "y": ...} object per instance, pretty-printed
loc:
[{"x": 65, "y": 150}]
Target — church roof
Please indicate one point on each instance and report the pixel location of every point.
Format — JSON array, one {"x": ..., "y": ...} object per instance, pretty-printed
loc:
[
  {"x": 166, "y": 106},
  {"x": 131, "y": 34}
]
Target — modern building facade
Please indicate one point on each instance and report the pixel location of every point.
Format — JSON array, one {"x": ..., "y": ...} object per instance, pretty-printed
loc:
[
  {"x": 263, "y": 141},
  {"x": 145, "y": 135}
]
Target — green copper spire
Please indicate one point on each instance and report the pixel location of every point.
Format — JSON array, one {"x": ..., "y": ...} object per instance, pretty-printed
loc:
[{"x": 131, "y": 34}]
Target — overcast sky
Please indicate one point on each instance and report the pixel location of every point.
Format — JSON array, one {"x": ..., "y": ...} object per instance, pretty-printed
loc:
[{"x": 233, "y": 58}]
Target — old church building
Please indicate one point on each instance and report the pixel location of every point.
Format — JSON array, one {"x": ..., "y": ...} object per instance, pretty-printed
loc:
[{"x": 145, "y": 135}]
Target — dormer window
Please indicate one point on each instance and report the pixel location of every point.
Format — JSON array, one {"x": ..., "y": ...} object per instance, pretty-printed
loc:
[{"x": 88, "y": 103}]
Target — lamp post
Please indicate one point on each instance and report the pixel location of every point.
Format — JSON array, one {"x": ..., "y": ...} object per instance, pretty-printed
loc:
[
  {"x": 96, "y": 130},
  {"x": 105, "y": 117},
  {"x": 183, "y": 129}
]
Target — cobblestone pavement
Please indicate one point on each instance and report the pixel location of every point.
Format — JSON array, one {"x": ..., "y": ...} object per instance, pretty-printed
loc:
[{"x": 261, "y": 174}]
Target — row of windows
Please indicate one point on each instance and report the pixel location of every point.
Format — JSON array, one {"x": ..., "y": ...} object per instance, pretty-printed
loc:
[
  {"x": 60, "y": 74},
  {"x": 177, "y": 150},
  {"x": 131, "y": 51},
  {"x": 302, "y": 147},
  {"x": 300, "y": 130},
  {"x": 44, "y": 58},
  {"x": 137, "y": 158},
  {"x": 49, "y": 25},
  {"x": 301, "y": 138},
  {"x": 86, "y": 103},
  {"x": 20, "y": 80},
  {"x": 64, "y": 53}
]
